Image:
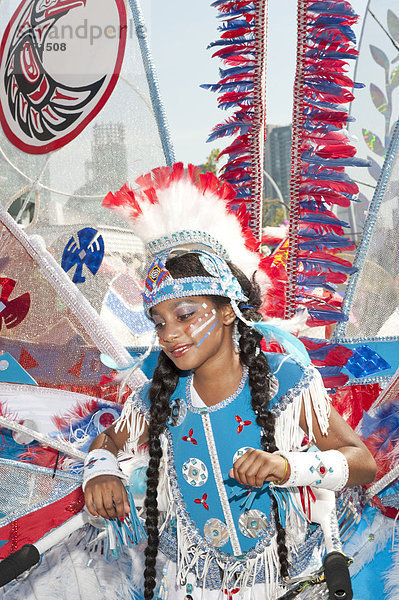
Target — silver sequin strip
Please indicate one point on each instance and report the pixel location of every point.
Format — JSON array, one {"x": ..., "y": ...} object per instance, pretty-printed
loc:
[{"x": 206, "y": 422}]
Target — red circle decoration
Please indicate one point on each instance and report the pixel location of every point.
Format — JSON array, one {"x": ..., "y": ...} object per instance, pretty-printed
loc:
[
  {"x": 59, "y": 63},
  {"x": 106, "y": 419}
]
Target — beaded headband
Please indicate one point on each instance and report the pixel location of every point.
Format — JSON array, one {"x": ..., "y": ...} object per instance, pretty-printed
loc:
[{"x": 160, "y": 285}]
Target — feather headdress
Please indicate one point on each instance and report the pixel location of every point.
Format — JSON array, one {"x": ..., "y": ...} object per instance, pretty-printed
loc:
[
  {"x": 176, "y": 209},
  {"x": 171, "y": 207}
]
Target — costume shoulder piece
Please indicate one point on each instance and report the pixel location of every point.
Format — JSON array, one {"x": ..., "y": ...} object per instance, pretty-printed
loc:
[{"x": 295, "y": 386}]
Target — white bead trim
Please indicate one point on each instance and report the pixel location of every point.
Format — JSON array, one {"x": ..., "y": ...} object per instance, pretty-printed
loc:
[{"x": 220, "y": 485}]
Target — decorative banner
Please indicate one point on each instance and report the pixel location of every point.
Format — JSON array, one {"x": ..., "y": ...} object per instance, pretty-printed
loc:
[{"x": 59, "y": 63}]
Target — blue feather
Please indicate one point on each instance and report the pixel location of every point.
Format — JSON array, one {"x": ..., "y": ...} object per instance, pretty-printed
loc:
[
  {"x": 326, "y": 266},
  {"x": 233, "y": 86},
  {"x": 237, "y": 13},
  {"x": 312, "y": 172},
  {"x": 344, "y": 55},
  {"x": 346, "y": 31},
  {"x": 228, "y": 129},
  {"x": 327, "y": 315},
  {"x": 235, "y": 71},
  {"x": 333, "y": 162},
  {"x": 323, "y": 219},
  {"x": 315, "y": 281},
  {"x": 230, "y": 42},
  {"x": 233, "y": 25},
  {"x": 335, "y": 8}
]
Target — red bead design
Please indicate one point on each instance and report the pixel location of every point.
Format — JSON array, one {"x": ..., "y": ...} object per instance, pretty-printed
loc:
[
  {"x": 322, "y": 470},
  {"x": 230, "y": 593},
  {"x": 202, "y": 501},
  {"x": 189, "y": 438},
  {"x": 241, "y": 424},
  {"x": 14, "y": 536}
]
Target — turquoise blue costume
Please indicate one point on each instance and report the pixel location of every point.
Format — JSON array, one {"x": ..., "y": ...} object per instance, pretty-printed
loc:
[{"x": 219, "y": 529}]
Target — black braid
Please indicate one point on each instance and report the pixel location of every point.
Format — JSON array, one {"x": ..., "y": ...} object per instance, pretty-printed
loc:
[
  {"x": 259, "y": 384},
  {"x": 164, "y": 383}
]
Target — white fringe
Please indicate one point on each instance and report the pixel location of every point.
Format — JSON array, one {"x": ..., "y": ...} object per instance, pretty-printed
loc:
[
  {"x": 135, "y": 423},
  {"x": 189, "y": 555},
  {"x": 288, "y": 433}
]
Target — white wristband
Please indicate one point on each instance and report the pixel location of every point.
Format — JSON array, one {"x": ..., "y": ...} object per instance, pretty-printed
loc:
[
  {"x": 328, "y": 470},
  {"x": 100, "y": 462}
]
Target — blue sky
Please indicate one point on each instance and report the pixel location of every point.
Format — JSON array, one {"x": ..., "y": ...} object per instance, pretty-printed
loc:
[{"x": 179, "y": 32}]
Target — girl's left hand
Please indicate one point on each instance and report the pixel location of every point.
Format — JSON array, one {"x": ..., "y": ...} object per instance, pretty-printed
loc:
[{"x": 257, "y": 466}]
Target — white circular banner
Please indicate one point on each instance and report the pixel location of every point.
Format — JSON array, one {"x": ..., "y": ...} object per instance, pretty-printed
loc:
[{"x": 59, "y": 62}]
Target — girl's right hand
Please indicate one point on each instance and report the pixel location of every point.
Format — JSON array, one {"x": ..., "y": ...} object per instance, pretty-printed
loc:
[{"x": 106, "y": 496}]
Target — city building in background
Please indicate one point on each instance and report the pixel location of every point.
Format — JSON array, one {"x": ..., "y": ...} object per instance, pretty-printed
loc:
[{"x": 277, "y": 168}]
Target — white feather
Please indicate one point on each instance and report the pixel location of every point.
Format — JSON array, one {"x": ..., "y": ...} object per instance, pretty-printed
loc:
[
  {"x": 294, "y": 325},
  {"x": 69, "y": 572},
  {"x": 182, "y": 206},
  {"x": 391, "y": 587},
  {"x": 363, "y": 546}
]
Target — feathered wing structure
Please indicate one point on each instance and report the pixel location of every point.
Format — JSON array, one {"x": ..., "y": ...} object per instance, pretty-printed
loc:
[
  {"x": 320, "y": 152},
  {"x": 242, "y": 50},
  {"x": 55, "y": 393},
  {"x": 171, "y": 207}
]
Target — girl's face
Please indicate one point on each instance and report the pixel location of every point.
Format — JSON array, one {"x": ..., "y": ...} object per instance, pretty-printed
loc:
[{"x": 191, "y": 330}]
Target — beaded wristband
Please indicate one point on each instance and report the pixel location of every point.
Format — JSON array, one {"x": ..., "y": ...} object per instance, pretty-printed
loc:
[
  {"x": 328, "y": 470},
  {"x": 100, "y": 462}
]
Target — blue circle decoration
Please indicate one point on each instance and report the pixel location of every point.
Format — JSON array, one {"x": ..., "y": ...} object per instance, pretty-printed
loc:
[
  {"x": 240, "y": 452},
  {"x": 87, "y": 250},
  {"x": 252, "y": 523},
  {"x": 195, "y": 472},
  {"x": 216, "y": 533},
  {"x": 178, "y": 412}
]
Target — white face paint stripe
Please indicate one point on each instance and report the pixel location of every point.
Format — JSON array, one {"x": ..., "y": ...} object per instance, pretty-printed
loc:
[
  {"x": 206, "y": 335},
  {"x": 202, "y": 326}
]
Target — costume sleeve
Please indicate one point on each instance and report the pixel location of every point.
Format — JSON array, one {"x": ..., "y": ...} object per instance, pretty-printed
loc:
[
  {"x": 311, "y": 393},
  {"x": 134, "y": 416}
]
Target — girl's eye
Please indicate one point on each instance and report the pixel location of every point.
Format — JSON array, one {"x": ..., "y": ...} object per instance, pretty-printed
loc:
[
  {"x": 185, "y": 316},
  {"x": 159, "y": 325}
]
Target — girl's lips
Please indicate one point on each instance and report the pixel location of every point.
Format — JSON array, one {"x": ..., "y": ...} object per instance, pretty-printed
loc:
[{"x": 180, "y": 350}]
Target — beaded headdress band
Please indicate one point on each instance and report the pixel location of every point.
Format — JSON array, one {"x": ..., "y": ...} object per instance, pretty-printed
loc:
[{"x": 160, "y": 285}]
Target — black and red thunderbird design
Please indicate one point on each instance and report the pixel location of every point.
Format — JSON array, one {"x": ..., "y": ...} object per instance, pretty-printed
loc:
[{"x": 42, "y": 106}]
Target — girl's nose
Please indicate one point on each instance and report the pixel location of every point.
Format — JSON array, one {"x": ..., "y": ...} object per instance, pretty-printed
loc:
[{"x": 170, "y": 333}]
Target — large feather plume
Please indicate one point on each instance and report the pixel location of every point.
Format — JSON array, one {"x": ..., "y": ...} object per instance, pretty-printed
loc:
[{"x": 169, "y": 200}]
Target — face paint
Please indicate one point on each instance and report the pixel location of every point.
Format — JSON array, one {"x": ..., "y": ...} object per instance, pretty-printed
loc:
[
  {"x": 205, "y": 322},
  {"x": 181, "y": 312}
]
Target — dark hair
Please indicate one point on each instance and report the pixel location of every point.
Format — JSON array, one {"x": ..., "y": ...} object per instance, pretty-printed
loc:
[{"x": 164, "y": 382}]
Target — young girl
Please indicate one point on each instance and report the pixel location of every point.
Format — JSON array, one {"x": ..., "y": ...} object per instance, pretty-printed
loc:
[{"x": 225, "y": 422}]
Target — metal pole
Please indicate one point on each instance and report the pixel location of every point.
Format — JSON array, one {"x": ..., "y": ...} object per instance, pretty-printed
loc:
[{"x": 158, "y": 107}]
